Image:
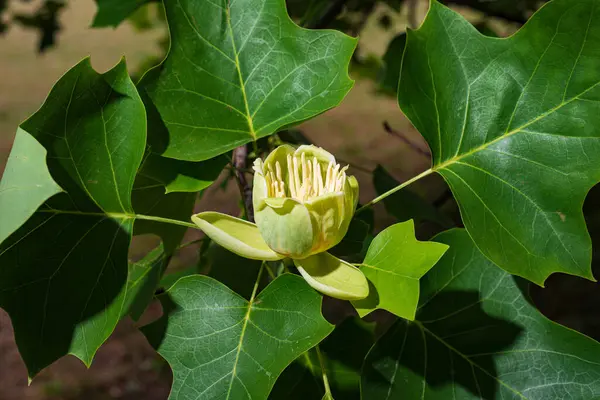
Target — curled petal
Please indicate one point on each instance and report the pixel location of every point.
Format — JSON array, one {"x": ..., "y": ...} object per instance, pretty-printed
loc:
[
  {"x": 333, "y": 277},
  {"x": 286, "y": 227},
  {"x": 236, "y": 235}
]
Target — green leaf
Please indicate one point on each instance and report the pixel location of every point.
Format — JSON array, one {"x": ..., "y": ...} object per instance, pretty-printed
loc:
[
  {"x": 142, "y": 280},
  {"x": 478, "y": 336},
  {"x": 63, "y": 272},
  {"x": 239, "y": 71},
  {"x": 343, "y": 350},
  {"x": 235, "y": 272},
  {"x": 113, "y": 12},
  {"x": 406, "y": 204},
  {"x": 513, "y": 125},
  {"x": 395, "y": 262},
  {"x": 389, "y": 75},
  {"x": 183, "y": 176},
  {"x": 221, "y": 346},
  {"x": 236, "y": 235}
]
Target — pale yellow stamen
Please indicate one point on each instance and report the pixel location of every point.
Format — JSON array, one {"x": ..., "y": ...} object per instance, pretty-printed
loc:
[{"x": 305, "y": 179}]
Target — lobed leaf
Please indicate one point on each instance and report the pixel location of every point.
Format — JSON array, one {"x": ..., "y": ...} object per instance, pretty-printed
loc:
[
  {"x": 513, "y": 127},
  {"x": 395, "y": 262},
  {"x": 221, "y": 346},
  {"x": 240, "y": 70},
  {"x": 66, "y": 203},
  {"x": 479, "y": 336}
]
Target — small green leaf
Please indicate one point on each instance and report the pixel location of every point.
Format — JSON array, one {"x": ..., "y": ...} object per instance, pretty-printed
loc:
[
  {"x": 513, "y": 125},
  {"x": 184, "y": 176},
  {"x": 113, "y": 12},
  {"x": 236, "y": 235},
  {"x": 479, "y": 336},
  {"x": 142, "y": 280},
  {"x": 395, "y": 262},
  {"x": 239, "y": 71},
  {"x": 221, "y": 346},
  {"x": 389, "y": 76},
  {"x": 334, "y": 277},
  {"x": 63, "y": 272}
]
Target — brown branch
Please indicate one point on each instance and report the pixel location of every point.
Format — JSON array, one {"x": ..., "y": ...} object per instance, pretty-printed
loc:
[
  {"x": 239, "y": 158},
  {"x": 407, "y": 141}
]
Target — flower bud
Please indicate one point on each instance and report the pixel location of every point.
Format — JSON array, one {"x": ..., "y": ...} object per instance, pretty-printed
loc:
[{"x": 303, "y": 200}]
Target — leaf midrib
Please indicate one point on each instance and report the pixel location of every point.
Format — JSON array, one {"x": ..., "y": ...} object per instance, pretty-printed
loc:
[{"x": 520, "y": 129}]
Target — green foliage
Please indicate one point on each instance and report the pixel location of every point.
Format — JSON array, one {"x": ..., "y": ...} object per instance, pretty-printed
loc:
[
  {"x": 394, "y": 264},
  {"x": 479, "y": 336},
  {"x": 239, "y": 71},
  {"x": 247, "y": 344},
  {"x": 92, "y": 129},
  {"x": 509, "y": 122},
  {"x": 512, "y": 126}
]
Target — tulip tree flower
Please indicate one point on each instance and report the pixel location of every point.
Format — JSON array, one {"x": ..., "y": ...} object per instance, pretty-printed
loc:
[{"x": 303, "y": 204}]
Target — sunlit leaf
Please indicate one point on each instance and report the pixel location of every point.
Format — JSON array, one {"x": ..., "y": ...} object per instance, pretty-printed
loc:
[
  {"x": 63, "y": 271},
  {"x": 219, "y": 345},
  {"x": 240, "y": 70},
  {"x": 478, "y": 336},
  {"x": 395, "y": 262},
  {"x": 513, "y": 125}
]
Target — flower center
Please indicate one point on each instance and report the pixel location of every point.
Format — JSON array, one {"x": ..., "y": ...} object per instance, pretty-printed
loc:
[{"x": 305, "y": 179}]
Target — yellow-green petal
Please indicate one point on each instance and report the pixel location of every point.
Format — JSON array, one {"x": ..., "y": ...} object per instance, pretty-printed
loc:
[
  {"x": 236, "y": 235},
  {"x": 327, "y": 214},
  {"x": 286, "y": 227},
  {"x": 333, "y": 277},
  {"x": 314, "y": 151}
]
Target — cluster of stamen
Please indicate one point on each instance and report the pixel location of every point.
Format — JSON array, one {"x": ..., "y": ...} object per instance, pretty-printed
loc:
[{"x": 305, "y": 179}]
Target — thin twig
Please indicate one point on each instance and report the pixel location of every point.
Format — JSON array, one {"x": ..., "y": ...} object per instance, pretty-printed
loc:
[
  {"x": 238, "y": 161},
  {"x": 324, "y": 373},
  {"x": 407, "y": 141},
  {"x": 395, "y": 189}
]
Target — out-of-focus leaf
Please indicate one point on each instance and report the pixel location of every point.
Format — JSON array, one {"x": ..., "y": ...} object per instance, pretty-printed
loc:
[
  {"x": 250, "y": 343},
  {"x": 513, "y": 125},
  {"x": 239, "y": 71},
  {"x": 113, "y": 12},
  {"x": 478, "y": 336},
  {"x": 389, "y": 75}
]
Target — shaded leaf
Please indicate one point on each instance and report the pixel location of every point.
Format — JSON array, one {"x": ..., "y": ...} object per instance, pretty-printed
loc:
[
  {"x": 63, "y": 271},
  {"x": 250, "y": 343},
  {"x": 389, "y": 75},
  {"x": 478, "y": 336},
  {"x": 395, "y": 262},
  {"x": 142, "y": 281},
  {"x": 239, "y": 71},
  {"x": 113, "y": 12},
  {"x": 513, "y": 127},
  {"x": 406, "y": 204},
  {"x": 344, "y": 351}
]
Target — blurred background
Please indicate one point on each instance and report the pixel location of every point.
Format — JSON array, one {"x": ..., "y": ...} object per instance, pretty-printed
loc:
[{"x": 42, "y": 39}]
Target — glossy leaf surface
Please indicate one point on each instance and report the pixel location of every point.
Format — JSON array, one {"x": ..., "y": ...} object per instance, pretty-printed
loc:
[
  {"x": 478, "y": 336},
  {"x": 513, "y": 125},
  {"x": 63, "y": 271},
  {"x": 395, "y": 262},
  {"x": 219, "y": 345},
  {"x": 240, "y": 70}
]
